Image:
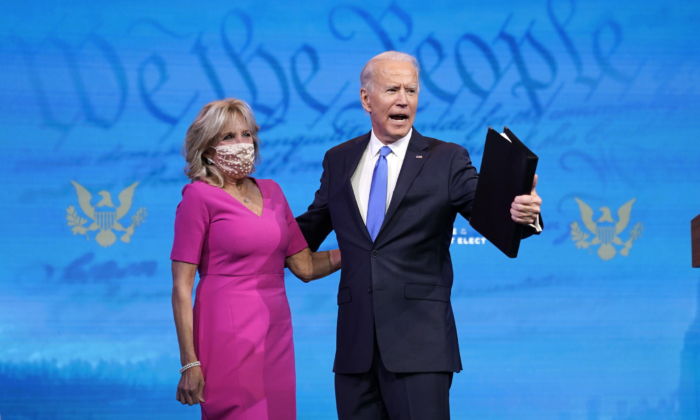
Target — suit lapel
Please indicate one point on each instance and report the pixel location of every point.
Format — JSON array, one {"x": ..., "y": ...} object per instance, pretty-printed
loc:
[
  {"x": 409, "y": 170},
  {"x": 352, "y": 159}
]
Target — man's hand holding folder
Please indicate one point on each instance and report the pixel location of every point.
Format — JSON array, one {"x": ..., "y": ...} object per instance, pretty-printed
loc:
[
  {"x": 526, "y": 208},
  {"x": 506, "y": 206}
]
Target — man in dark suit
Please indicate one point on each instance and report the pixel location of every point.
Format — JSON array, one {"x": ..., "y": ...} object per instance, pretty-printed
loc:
[{"x": 392, "y": 196}]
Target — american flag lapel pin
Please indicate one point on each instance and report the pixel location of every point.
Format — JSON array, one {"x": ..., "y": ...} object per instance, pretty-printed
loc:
[{"x": 419, "y": 157}]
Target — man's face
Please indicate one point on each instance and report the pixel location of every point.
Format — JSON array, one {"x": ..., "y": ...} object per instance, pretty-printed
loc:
[{"x": 393, "y": 99}]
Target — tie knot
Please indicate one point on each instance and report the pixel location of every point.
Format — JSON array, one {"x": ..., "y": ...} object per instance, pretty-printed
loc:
[{"x": 384, "y": 151}]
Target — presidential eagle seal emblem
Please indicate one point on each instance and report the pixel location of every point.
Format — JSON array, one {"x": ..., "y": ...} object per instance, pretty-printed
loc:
[
  {"x": 105, "y": 215},
  {"x": 605, "y": 230}
]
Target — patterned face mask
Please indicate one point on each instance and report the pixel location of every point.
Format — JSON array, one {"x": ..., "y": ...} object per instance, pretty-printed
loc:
[{"x": 235, "y": 160}]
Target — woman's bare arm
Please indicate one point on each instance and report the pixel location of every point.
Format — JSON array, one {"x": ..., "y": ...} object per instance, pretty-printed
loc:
[
  {"x": 308, "y": 265},
  {"x": 191, "y": 386}
]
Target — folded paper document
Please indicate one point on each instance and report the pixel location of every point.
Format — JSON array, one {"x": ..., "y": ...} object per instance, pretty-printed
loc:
[{"x": 507, "y": 171}]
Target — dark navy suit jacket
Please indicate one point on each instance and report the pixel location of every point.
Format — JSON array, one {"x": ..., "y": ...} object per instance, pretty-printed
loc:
[{"x": 399, "y": 284}]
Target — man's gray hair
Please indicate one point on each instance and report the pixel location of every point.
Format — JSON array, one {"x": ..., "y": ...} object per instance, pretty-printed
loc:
[{"x": 367, "y": 74}]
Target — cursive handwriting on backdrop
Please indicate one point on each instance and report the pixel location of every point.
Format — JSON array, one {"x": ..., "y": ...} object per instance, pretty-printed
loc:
[{"x": 293, "y": 76}]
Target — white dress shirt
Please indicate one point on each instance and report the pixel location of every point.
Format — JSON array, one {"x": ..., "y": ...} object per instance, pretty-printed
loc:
[{"x": 362, "y": 178}]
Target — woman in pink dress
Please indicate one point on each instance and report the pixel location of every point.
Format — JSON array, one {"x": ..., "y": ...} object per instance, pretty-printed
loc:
[{"x": 236, "y": 345}]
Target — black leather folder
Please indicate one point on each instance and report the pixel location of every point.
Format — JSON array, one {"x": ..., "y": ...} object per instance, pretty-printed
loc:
[{"x": 507, "y": 171}]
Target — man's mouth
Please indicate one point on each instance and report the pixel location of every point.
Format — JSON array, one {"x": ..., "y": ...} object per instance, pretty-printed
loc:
[{"x": 398, "y": 117}]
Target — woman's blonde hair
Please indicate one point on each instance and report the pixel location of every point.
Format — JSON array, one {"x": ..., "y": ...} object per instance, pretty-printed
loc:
[{"x": 204, "y": 132}]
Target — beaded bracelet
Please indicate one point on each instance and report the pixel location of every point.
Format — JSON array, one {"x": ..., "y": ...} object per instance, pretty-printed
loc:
[{"x": 189, "y": 365}]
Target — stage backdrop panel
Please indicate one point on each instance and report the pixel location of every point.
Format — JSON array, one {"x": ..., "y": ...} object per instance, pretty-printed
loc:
[{"x": 596, "y": 318}]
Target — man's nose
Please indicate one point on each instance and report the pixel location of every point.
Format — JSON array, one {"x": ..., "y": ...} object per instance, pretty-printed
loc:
[{"x": 401, "y": 99}]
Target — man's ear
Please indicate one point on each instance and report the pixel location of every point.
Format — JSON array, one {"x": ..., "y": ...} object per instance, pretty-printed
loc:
[{"x": 364, "y": 98}]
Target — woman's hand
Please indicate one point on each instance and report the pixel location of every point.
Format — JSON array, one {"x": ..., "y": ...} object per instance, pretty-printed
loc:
[
  {"x": 307, "y": 265},
  {"x": 191, "y": 386},
  {"x": 334, "y": 255},
  {"x": 189, "y": 390}
]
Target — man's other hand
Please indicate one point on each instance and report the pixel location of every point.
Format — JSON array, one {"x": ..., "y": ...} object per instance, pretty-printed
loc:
[{"x": 526, "y": 208}]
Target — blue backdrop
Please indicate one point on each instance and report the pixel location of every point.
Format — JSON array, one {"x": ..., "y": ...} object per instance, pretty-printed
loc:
[{"x": 596, "y": 319}]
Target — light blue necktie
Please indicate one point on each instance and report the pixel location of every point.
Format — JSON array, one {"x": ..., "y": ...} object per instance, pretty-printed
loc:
[{"x": 377, "y": 194}]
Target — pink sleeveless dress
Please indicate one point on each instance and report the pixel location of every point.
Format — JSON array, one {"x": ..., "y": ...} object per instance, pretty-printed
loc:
[{"x": 242, "y": 322}]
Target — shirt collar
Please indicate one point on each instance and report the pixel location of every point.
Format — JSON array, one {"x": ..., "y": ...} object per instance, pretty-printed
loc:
[{"x": 398, "y": 147}]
